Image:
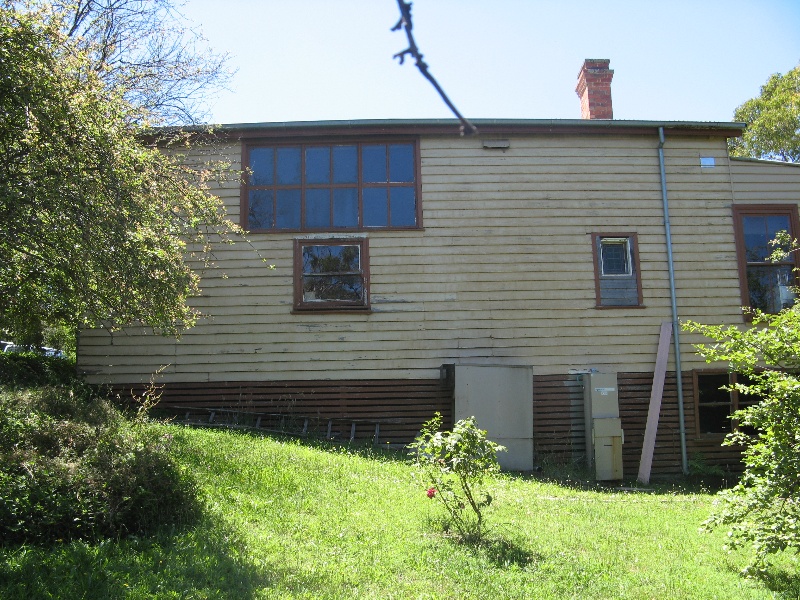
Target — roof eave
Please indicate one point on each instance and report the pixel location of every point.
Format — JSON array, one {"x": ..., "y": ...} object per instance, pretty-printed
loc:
[{"x": 451, "y": 127}]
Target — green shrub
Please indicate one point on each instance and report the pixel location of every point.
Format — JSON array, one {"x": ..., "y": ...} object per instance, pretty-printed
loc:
[
  {"x": 453, "y": 465},
  {"x": 72, "y": 466},
  {"x": 28, "y": 369},
  {"x": 762, "y": 510}
]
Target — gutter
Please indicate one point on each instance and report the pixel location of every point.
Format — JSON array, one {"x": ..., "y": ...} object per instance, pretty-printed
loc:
[
  {"x": 451, "y": 127},
  {"x": 673, "y": 298}
]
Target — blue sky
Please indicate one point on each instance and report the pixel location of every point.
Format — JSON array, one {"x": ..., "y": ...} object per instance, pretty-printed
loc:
[{"x": 306, "y": 60}]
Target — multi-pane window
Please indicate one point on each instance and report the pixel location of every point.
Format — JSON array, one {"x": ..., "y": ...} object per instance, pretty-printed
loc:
[
  {"x": 331, "y": 274},
  {"x": 617, "y": 282},
  {"x": 766, "y": 285},
  {"x": 715, "y": 405},
  {"x": 328, "y": 187}
]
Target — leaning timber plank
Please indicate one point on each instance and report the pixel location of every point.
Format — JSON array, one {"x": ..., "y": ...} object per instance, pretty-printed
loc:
[{"x": 648, "y": 446}]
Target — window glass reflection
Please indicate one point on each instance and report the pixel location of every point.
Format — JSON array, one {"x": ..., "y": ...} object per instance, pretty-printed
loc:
[
  {"x": 261, "y": 165},
  {"x": 318, "y": 165},
  {"x": 373, "y": 169}
]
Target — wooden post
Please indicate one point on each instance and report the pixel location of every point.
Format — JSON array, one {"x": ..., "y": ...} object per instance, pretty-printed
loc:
[{"x": 648, "y": 446}]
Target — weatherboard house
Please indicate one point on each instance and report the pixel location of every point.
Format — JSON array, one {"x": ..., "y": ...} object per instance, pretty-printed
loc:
[{"x": 524, "y": 274}]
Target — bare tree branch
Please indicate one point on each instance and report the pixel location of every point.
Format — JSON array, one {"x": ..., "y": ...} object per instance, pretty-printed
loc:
[
  {"x": 405, "y": 23},
  {"x": 147, "y": 50}
]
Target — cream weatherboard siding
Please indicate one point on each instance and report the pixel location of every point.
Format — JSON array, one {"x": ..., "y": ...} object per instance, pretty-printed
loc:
[
  {"x": 766, "y": 182},
  {"x": 501, "y": 273}
]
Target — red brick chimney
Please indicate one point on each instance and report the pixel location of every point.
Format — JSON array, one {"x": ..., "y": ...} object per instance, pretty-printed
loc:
[{"x": 594, "y": 89}]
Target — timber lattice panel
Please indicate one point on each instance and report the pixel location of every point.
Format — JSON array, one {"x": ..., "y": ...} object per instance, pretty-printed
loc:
[{"x": 400, "y": 406}]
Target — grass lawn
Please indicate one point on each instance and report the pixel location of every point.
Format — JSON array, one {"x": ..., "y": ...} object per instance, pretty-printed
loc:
[{"x": 291, "y": 520}]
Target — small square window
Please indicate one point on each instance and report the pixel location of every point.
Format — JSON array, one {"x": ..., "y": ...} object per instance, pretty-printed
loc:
[
  {"x": 617, "y": 282},
  {"x": 615, "y": 256},
  {"x": 331, "y": 275}
]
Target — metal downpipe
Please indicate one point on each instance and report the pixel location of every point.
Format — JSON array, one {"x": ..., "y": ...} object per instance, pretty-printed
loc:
[{"x": 673, "y": 297}]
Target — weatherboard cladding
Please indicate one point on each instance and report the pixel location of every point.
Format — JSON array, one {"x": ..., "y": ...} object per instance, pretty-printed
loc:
[{"x": 502, "y": 271}]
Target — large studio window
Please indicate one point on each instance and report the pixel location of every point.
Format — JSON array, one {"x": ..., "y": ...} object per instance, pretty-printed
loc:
[
  {"x": 765, "y": 285},
  {"x": 331, "y": 274},
  {"x": 329, "y": 187}
]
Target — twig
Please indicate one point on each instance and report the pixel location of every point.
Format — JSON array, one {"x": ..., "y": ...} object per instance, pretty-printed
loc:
[{"x": 405, "y": 23}]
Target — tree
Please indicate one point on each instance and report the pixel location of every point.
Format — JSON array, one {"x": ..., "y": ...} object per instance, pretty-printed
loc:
[
  {"x": 773, "y": 120},
  {"x": 145, "y": 50},
  {"x": 763, "y": 509},
  {"x": 95, "y": 226}
]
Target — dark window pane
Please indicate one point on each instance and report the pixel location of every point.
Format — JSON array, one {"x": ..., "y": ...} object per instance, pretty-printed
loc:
[
  {"x": 345, "y": 164},
  {"x": 345, "y": 207},
  {"x": 373, "y": 164},
  {"x": 709, "y": 388},
  {"x": 318, "y": 208},
  {"x": 714, "y": 403},
  {"x": 376, "y": 209},
  {"x": 769, "y": 287},
  {"x": 288, "y": 211},
  {"x": 715, "y": 419},
  {"x": 403, "y": 207},
  {"x": 289, "y": 166},
  {"x": 318, "y": 165},
  {"x": 756, "y": 238},
  {"x": 614, "y": 257},
  {"x": 330, "y": 288},
  {"x": 261, "y": 165},
  {"x": 401, "y": 162},
  {"x": 261, "y": 210}
]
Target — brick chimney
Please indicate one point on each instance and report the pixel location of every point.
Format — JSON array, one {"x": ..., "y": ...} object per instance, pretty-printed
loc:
[{"x": 594, "y": 89}]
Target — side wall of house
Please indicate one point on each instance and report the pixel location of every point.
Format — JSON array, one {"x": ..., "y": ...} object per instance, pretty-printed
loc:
[{"x": 501, "y": 273}]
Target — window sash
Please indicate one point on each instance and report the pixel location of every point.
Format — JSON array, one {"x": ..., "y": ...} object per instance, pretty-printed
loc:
[
  {"x": 615, "y": 257},
  {"x": 764, "y": 284},
  {"x": 331, "y": 275}
]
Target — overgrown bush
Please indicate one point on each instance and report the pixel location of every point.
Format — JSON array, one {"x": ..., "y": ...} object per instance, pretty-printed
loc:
[
  {"x": 28, "y": 369},
  {"x": 72, "y": 466},
  {"x": 763, "y": 510},
  {"x": 453, "y": 465}
]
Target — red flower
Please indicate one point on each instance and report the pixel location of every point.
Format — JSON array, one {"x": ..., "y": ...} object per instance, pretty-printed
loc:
[{"x": 431, "y": 492}]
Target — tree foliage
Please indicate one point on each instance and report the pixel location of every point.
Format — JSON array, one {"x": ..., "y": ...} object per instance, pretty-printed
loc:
[
  {"x": 95, "y": 226},
  {"x": 763, "y": 509},
  {"x": 773, "y": 120}
]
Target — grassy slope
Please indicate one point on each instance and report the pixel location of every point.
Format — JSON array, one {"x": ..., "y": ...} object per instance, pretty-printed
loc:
[{"x": 286, "y": 520}]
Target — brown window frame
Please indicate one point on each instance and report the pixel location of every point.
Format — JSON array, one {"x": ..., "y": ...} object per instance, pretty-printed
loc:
[
  {"x": 733, "y": 395},
  {"x": 636, "y": 273},
  {"x": 301, "y": 305},
  {"x": 742, "y": 210},
  {"x": 246, "y": 186}
]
